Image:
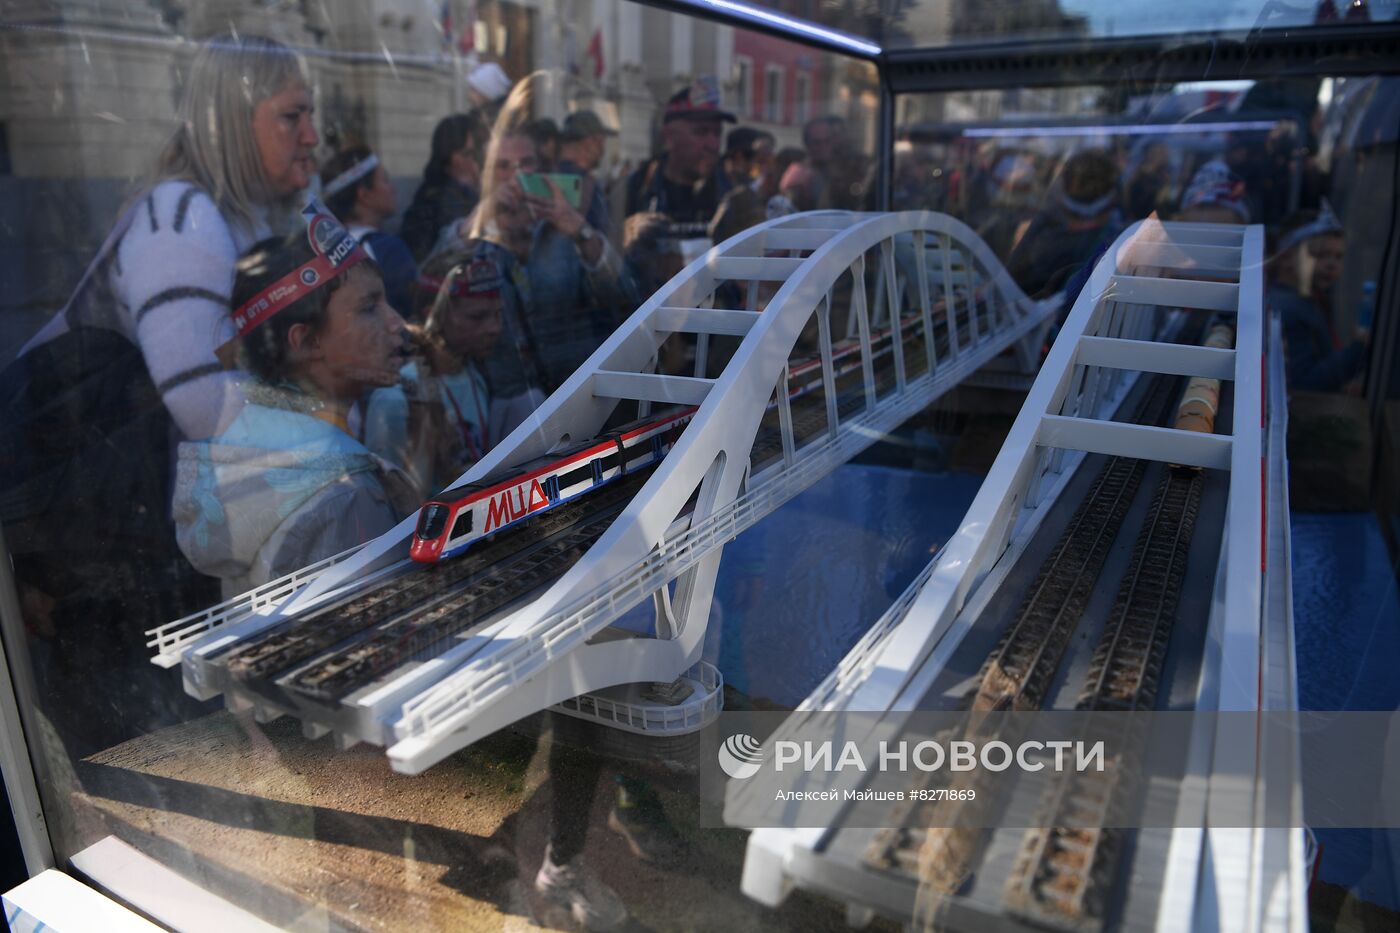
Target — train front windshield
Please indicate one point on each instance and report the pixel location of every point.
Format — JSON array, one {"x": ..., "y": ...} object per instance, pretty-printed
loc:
[{"x": 433, "y": 521}]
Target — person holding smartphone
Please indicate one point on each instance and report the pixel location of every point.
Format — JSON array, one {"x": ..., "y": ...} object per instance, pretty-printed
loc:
[{"x": 564, "y": 290}]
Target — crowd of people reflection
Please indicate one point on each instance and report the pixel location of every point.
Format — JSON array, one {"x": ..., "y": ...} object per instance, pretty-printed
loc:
[{"x": 268, "y": 361}]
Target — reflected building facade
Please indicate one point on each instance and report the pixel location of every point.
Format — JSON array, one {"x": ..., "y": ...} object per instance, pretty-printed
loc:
[{"x": 89, "y": 90}]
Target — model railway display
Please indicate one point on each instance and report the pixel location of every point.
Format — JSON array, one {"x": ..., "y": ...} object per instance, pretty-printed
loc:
[
  {"x": 1064, "y": 872},
  {"x": 1065, "y": 869},
  {"x": 481, "y": 547},
  {"x": 328, "y": 653},
  {"x": 962, "y": 436},
  {"x": 939, "y": 842},
  {"x": 455, "y": 519}
]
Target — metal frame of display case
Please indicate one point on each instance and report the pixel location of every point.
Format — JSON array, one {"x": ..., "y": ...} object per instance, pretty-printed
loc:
[
  {"x": 16, "y": 765},
  {"x": 1341, "y": 50},
  {"x": 1330, "y": 51}
]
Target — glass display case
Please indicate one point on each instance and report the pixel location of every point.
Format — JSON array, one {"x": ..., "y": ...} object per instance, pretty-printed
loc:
[{"x": 406, "y": 448}]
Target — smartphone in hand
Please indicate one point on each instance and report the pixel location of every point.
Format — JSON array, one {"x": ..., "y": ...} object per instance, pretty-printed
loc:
[{"x": 535, "y": 185}]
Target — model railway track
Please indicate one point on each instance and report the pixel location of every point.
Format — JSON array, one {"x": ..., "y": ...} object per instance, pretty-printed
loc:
[
  {"x": 1064, "y": 871},
  {"x": 421, "y": 629},
  {"x": 809, "y": 410},
  {"x": 1127, "y": 664},
  {"x": 305, "y": 637},
  {"x": 1018, "y": 671},
  {"x": 809, "y": 419},
  {"x": 937, "y": 843},
  {"x": 1015, "y": 677},
  {"x": 333, "y": 651},
  {"x": 928, "y": 841}
]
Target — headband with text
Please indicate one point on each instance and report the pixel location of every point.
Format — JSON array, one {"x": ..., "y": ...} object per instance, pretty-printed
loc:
[{"x": 334, "y": 249}]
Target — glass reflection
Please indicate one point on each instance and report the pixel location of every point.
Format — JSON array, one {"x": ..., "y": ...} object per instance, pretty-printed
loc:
[{"x": 212, "y": 380}]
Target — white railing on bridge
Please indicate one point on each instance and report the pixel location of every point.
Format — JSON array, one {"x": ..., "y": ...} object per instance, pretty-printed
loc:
[
  {"x": 502, "y": 681},
  {"x": 1113, "y": 333},
  {"x": 783, "y": 274}
]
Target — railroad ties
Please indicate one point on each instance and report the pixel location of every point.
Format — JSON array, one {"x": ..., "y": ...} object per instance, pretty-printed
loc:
[
  {"x": 1064, "y": 869},
  {"x": 938, "y": 843},
  {"x": 332, "y": 652}
]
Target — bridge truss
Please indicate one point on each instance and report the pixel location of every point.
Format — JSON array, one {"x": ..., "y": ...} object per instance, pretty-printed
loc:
[
  {"x": 1119, "y": 330},
  {"x": 926, "y": 304}
]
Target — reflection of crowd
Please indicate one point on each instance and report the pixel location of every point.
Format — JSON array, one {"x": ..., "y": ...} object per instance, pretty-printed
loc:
[
  {"x": 1048, "y": 211},
  {"x": 505, "y": 272},
  {"x": 246, "y": 382},
  {"x": 250, "y": 379},
  {"x": 145, "y": 355}
]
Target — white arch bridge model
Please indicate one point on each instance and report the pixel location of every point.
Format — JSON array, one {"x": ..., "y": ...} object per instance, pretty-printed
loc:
[{"x": 946, "y": 283}]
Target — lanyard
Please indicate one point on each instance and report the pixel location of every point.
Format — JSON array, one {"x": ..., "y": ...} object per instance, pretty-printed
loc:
[
  {"x": 525, "y": 344},
  {"x": 476, "y": 449}
]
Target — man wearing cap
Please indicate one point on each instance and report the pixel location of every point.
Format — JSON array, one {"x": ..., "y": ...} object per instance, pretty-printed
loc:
[
  {"x": 742, "y": 206},
  {"x": 672, "y": 198},
  {"x": 582, "y": 143},
  {"x": 684, "y": 182}
]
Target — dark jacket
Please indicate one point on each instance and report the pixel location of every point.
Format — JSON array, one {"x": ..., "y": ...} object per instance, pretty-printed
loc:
[
  {"x": 648, "y": 190},
  {"x": 398, "y": 267},
  {"x": 1313, "y": 362},
  {"x": 1055, "y": 247},
  {"x": 435, "y": 205}
]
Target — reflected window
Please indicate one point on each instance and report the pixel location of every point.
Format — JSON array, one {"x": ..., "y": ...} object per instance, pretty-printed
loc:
[
  {"x": 773, "y": 94},
  {"x": 743, "y": 85},
  {"x": 802, "y": 97}
]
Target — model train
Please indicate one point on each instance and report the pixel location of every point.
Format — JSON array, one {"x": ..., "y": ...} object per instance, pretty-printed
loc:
[{"x": 463, "y": 515}]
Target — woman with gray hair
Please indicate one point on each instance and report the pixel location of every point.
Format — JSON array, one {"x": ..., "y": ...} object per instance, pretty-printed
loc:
[
  {"x": 240, "y": 153},
  {"x": 139, "y": 357}
]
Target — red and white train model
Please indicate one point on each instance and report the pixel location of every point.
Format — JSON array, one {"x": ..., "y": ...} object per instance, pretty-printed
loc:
[{"x": 463, "y": 515}]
